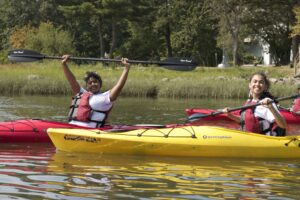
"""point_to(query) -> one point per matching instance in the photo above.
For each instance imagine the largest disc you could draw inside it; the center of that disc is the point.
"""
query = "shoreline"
(46, 78)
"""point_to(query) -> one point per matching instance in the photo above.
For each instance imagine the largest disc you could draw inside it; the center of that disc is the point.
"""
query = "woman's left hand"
(124, 61)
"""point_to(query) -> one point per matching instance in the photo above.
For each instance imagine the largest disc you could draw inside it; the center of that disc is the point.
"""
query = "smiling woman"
(91, 106)
(264, 118)
(93, 82)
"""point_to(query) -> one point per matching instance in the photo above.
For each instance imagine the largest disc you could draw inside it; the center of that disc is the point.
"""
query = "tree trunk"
(168, 40)
(101, 43)
(295, 42)
(113, 38)
(235, 47)
(234, 55)
(295, 52)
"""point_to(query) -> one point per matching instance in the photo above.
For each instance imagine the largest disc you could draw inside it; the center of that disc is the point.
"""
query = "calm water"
(29, 171)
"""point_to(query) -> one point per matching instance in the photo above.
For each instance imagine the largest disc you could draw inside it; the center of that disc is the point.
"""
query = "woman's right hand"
(230, 115)
(226, 111)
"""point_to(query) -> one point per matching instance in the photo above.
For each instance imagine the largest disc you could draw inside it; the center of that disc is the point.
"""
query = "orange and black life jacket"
(251, 123)
(80, 110)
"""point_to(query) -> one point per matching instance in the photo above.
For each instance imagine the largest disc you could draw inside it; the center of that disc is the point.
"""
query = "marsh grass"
(46, 78)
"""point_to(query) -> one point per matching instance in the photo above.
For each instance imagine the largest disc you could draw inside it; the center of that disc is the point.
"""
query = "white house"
(259, 49)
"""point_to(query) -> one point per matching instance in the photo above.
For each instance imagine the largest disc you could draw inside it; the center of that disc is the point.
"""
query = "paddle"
(283, 108)
(23, 55)
(198, 116)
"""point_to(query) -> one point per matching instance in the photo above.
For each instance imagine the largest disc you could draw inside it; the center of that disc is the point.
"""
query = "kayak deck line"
(29, 130)
(145, 130)
(293, 140)
(13, 129)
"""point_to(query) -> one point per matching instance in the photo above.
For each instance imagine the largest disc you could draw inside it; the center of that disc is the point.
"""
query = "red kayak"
(35, 130)
(289, 116)
(28, 130)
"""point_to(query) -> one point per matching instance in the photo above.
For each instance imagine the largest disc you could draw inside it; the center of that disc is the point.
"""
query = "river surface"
(38, 171)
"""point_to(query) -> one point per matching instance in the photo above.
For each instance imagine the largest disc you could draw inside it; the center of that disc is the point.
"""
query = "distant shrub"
(18, 37)
(46, 39)
(3, 56)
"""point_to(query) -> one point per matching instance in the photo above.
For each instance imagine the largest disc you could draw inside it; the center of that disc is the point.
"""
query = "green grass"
(46, 78)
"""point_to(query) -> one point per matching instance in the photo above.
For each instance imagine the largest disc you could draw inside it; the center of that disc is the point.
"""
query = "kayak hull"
(194, 141)
(34, 130)
(29, 130)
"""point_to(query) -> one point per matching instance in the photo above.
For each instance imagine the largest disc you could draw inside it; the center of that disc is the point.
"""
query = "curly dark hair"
(89, 74)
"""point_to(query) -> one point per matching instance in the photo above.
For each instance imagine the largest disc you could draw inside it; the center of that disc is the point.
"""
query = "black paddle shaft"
(23, 55)
(197, 116)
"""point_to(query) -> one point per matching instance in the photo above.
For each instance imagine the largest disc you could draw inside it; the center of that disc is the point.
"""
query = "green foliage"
(230, 15)
(248, 59)
(17, 13)
(149, 29)
(296, 27)
(49, 40)
(194, 31)
(18, 37)
(3, 56)
(85, 23)
(271, 21)
(46, 39)
(143, 41)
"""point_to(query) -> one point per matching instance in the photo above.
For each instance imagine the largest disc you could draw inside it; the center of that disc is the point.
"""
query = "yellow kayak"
(196, 141)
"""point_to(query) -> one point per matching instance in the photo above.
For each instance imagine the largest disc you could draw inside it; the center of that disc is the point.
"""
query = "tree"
(98, 20)
(194, 31)
(230, 14)
(143, 41)
(295, 21)
(141, 29)
(164, 22)
(271, 21)
(15, 14)
(48, 12)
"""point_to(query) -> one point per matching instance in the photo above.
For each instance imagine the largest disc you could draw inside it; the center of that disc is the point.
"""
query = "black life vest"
(80, 110)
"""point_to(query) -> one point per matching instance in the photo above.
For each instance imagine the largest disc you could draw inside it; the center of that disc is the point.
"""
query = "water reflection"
(191, 178)
(38, 171)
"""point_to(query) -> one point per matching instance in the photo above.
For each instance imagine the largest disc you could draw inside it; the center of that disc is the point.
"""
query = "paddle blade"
(23, 55)
(179, 64)
(196, 116)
